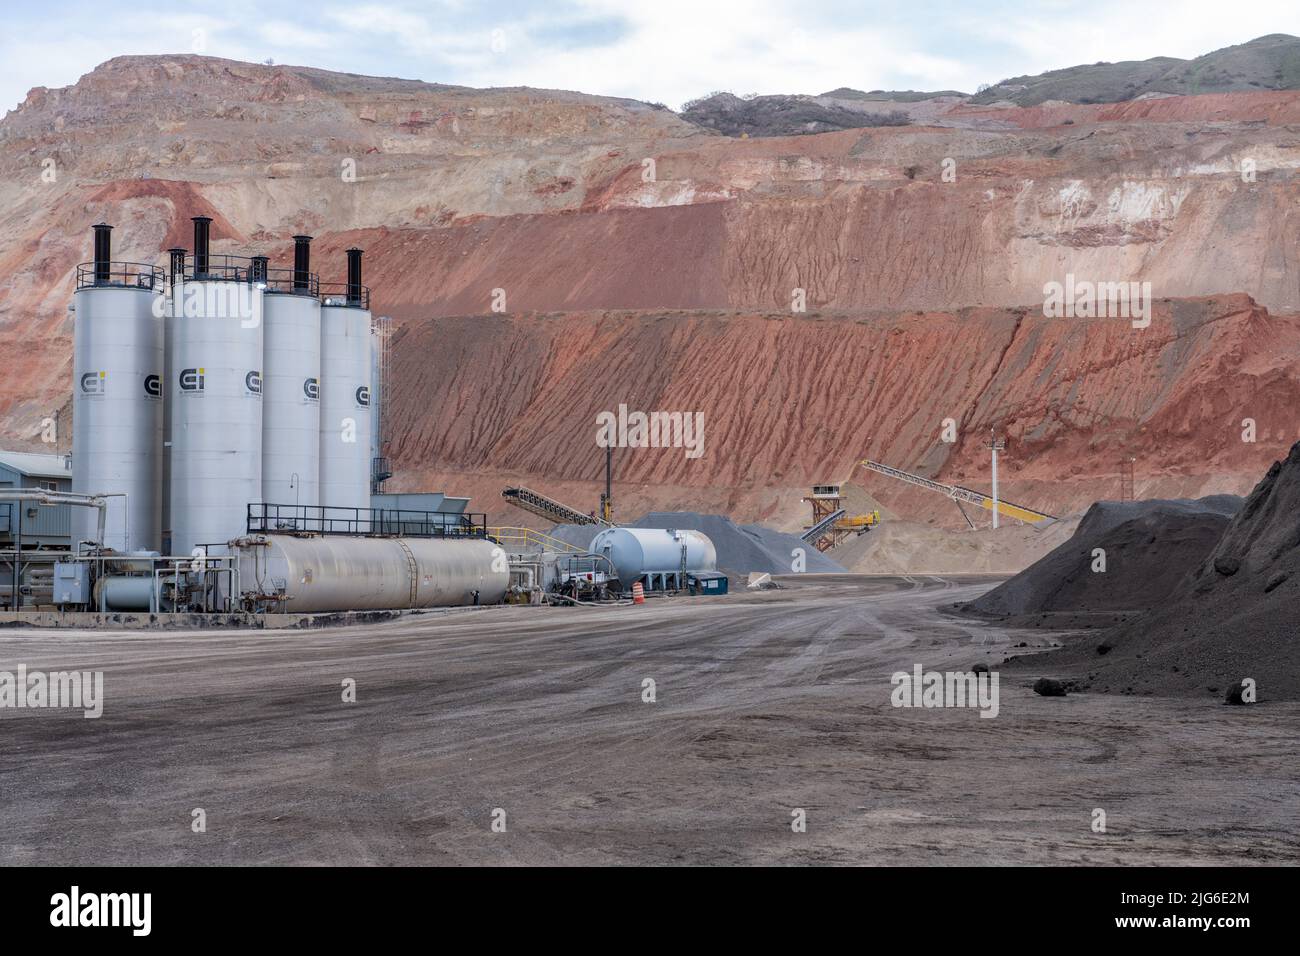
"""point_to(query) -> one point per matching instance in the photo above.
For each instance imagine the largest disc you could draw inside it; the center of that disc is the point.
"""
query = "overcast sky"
(657, 50)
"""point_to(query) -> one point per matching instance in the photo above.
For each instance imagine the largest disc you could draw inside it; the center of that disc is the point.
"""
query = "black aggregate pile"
(1227, 630)
(1124, 558)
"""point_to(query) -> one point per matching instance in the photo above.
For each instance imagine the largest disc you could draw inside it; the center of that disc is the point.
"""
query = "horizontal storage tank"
(315, 574)
(216, 395)
(636, 552)
(117, 404)
(123, 593)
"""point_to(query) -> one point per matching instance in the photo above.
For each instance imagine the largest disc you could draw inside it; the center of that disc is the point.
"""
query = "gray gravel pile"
(741, 548)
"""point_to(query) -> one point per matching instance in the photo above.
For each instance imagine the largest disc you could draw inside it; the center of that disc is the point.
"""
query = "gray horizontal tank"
(636, 552)
(315, 574)
(117, 398)
(216, 394)
(124, 593)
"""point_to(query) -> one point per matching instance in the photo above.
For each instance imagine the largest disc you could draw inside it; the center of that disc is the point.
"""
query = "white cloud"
(679, 49)
(657, 50)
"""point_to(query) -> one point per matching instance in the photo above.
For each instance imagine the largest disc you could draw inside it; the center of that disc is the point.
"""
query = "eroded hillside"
(789, 402)
(646, 261)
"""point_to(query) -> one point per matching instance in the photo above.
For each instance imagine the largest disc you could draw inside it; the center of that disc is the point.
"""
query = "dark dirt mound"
(781, 115)
(1266, 63)
(1148, 546)
(1235, 615)
(891, 96)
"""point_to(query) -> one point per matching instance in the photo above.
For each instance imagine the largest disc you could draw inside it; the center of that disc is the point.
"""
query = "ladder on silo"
(380, 470)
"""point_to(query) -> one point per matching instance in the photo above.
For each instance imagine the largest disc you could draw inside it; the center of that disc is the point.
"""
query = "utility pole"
(995, 445)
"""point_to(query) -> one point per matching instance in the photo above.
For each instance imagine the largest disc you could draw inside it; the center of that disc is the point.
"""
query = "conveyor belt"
(542, 506)
(958, 493)
(821, 527)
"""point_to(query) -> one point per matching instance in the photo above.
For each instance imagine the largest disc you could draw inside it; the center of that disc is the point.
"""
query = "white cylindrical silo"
(344, 406)
(216, 391)
(117, 399)
(291, 419)
(345, 357)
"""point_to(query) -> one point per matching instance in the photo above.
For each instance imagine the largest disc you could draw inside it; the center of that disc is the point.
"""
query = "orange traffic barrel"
(638, 593)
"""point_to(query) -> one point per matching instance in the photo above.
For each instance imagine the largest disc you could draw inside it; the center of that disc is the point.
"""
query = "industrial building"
(228, 458)
(39, 527)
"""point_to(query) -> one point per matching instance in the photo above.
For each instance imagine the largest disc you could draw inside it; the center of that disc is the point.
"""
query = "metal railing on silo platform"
(364, 522)
(136, 275)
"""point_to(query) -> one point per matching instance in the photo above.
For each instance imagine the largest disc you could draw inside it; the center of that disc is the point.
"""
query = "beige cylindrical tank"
(326, 573)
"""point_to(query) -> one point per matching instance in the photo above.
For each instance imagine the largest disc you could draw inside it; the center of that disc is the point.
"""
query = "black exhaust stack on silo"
(354, 277)
(177, 265)
(201, 226)
(103, 252)
(301, 263)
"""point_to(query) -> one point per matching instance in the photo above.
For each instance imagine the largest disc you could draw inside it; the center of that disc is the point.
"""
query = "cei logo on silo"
(253, 382)
(311, 388)
(153, 386)
(191, 380)
(363, 396)
(94, 383)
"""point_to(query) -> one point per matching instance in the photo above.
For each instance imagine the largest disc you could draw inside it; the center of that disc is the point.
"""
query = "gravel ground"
(766, 703)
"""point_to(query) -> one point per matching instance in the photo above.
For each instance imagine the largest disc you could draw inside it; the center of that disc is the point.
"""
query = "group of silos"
(219, 384)
(214, 385)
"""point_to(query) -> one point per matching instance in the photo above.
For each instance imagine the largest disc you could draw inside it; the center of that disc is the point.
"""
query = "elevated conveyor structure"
(959, 494)
(830, 522)
(537, 503)
(823, 526)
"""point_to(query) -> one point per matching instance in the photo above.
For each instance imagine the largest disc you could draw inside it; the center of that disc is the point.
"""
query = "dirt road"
(764, 705)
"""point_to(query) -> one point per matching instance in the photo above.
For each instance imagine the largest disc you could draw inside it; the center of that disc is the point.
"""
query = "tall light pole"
(995, 445)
